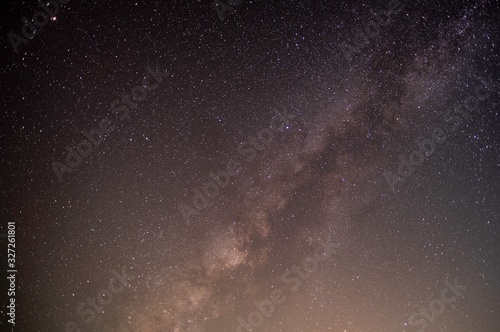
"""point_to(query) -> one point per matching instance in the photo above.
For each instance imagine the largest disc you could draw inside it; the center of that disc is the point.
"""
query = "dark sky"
(279, 158)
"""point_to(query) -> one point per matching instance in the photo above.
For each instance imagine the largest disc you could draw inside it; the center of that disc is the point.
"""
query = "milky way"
(254, 166)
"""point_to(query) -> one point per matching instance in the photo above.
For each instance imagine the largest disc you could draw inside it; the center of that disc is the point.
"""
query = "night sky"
(252, 166)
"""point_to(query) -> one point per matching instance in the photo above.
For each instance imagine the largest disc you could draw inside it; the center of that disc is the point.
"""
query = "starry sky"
(173, 166)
